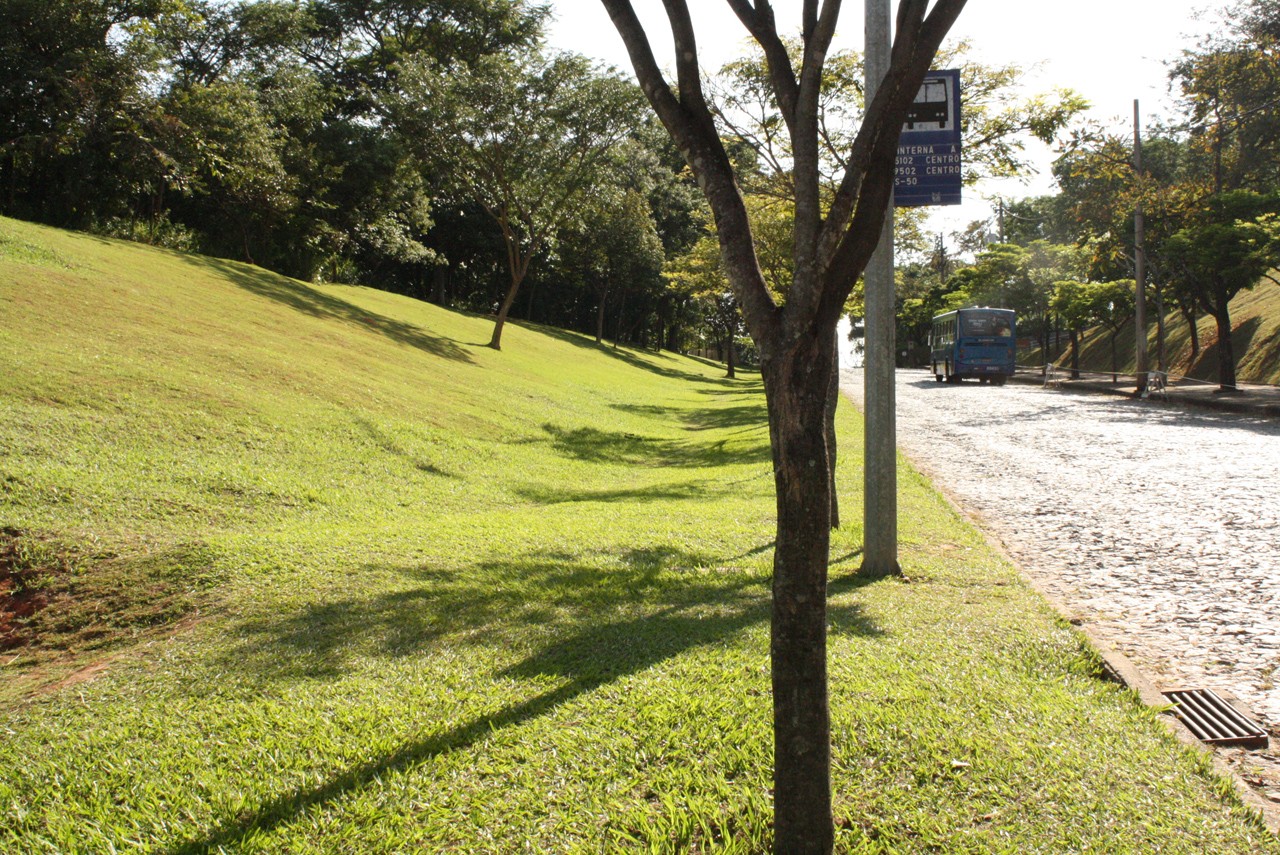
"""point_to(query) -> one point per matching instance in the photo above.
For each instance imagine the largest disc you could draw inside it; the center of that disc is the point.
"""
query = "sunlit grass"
(370, 586)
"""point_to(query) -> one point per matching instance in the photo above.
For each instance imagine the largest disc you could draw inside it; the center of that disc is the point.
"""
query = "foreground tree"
(796, 339)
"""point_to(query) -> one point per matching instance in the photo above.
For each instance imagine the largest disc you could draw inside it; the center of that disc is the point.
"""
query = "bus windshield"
(981, 324)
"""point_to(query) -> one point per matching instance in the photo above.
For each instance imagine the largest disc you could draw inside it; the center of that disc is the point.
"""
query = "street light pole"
(880, 473)
(1139, 266)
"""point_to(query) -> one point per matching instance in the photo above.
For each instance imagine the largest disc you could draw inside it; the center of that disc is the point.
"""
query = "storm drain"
(1215, 721)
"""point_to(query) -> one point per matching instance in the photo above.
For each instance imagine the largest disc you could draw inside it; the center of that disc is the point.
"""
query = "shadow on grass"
(751, 415)
(298, 296)
(634, 359)
(681, 611)
(605, 446)
(754, 415)
(655, 493)
(1206, 366)
(1268, 353)
(390, 446)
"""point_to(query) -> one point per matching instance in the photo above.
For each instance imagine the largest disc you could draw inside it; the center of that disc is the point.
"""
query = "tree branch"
(692, 127)
(759, 21)
(806, 292)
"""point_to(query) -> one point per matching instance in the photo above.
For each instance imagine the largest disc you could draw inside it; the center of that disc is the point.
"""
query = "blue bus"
(973, 343)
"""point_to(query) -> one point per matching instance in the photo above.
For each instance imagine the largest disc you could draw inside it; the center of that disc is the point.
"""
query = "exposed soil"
(23, 591)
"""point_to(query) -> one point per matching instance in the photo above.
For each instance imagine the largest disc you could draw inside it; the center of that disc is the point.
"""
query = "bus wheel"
(982, 381)
(999, 381)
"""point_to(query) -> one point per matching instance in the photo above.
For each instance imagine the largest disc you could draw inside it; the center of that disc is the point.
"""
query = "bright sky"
(1110, 51)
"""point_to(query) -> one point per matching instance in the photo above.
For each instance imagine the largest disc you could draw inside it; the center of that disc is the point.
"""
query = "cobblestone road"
(1159, 525)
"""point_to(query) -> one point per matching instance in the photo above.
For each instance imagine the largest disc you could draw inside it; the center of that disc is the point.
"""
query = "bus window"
(987, 325)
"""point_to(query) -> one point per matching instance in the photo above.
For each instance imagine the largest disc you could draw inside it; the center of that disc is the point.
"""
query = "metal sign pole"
(880, 473)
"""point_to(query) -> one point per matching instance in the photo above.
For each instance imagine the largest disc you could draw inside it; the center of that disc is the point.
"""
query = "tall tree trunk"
(517, 265)
(1075, 354)
(796, 386)
(1115, 368)
(439, 276)
(496, 341)
(1189, 315)
(1226, 348)
(604, 293)
(528, 307)
(732, 350)
(617, 329)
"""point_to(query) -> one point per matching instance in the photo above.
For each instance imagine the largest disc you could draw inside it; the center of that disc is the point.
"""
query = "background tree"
(612, 245)
(74, 113)
(1230, 88)
(1070, 301)
(699, 273)
(529, 139)
(1228, 248)
(1111, 305)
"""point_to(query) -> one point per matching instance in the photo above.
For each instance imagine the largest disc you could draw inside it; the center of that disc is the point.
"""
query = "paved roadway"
(1159, 525)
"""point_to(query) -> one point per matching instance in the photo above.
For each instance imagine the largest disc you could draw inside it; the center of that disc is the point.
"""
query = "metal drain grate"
(1215, 721)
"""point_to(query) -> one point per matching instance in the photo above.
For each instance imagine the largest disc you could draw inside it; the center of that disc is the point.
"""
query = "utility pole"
(880, 473)
(1139, 265)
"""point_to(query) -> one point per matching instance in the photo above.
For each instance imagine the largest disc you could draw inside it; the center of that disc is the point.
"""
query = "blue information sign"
(928, 165)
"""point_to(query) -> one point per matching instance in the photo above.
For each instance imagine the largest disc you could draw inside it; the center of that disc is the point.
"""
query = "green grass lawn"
(322, 573)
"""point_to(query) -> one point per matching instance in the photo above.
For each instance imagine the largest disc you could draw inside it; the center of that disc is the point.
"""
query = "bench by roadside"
(1250, 399)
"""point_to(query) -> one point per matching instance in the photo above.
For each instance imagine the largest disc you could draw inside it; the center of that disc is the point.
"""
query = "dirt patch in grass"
(56, 602)
(25, 583)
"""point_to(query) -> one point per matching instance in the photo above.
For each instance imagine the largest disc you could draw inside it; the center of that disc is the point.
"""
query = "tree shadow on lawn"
(674, 491)
(635, 360)
(388, 444)
(704, 610)
(1206, 365)
(753, 415)
(298, 296)
(606, 446)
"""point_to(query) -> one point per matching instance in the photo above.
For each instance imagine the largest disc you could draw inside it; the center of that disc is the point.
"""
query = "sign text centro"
(928, 167)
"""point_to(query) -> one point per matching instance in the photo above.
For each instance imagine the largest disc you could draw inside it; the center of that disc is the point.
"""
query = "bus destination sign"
(928, 165)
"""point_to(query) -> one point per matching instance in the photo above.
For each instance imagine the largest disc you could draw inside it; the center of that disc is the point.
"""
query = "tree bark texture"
(603, 292)
(829, 426)
(796, 386)
(517, 266)
(1115, 368)
(505, 309)
(1189, 315)
(1226, 348)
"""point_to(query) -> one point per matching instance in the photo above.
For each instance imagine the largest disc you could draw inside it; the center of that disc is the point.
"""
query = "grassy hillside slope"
(320, 573)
